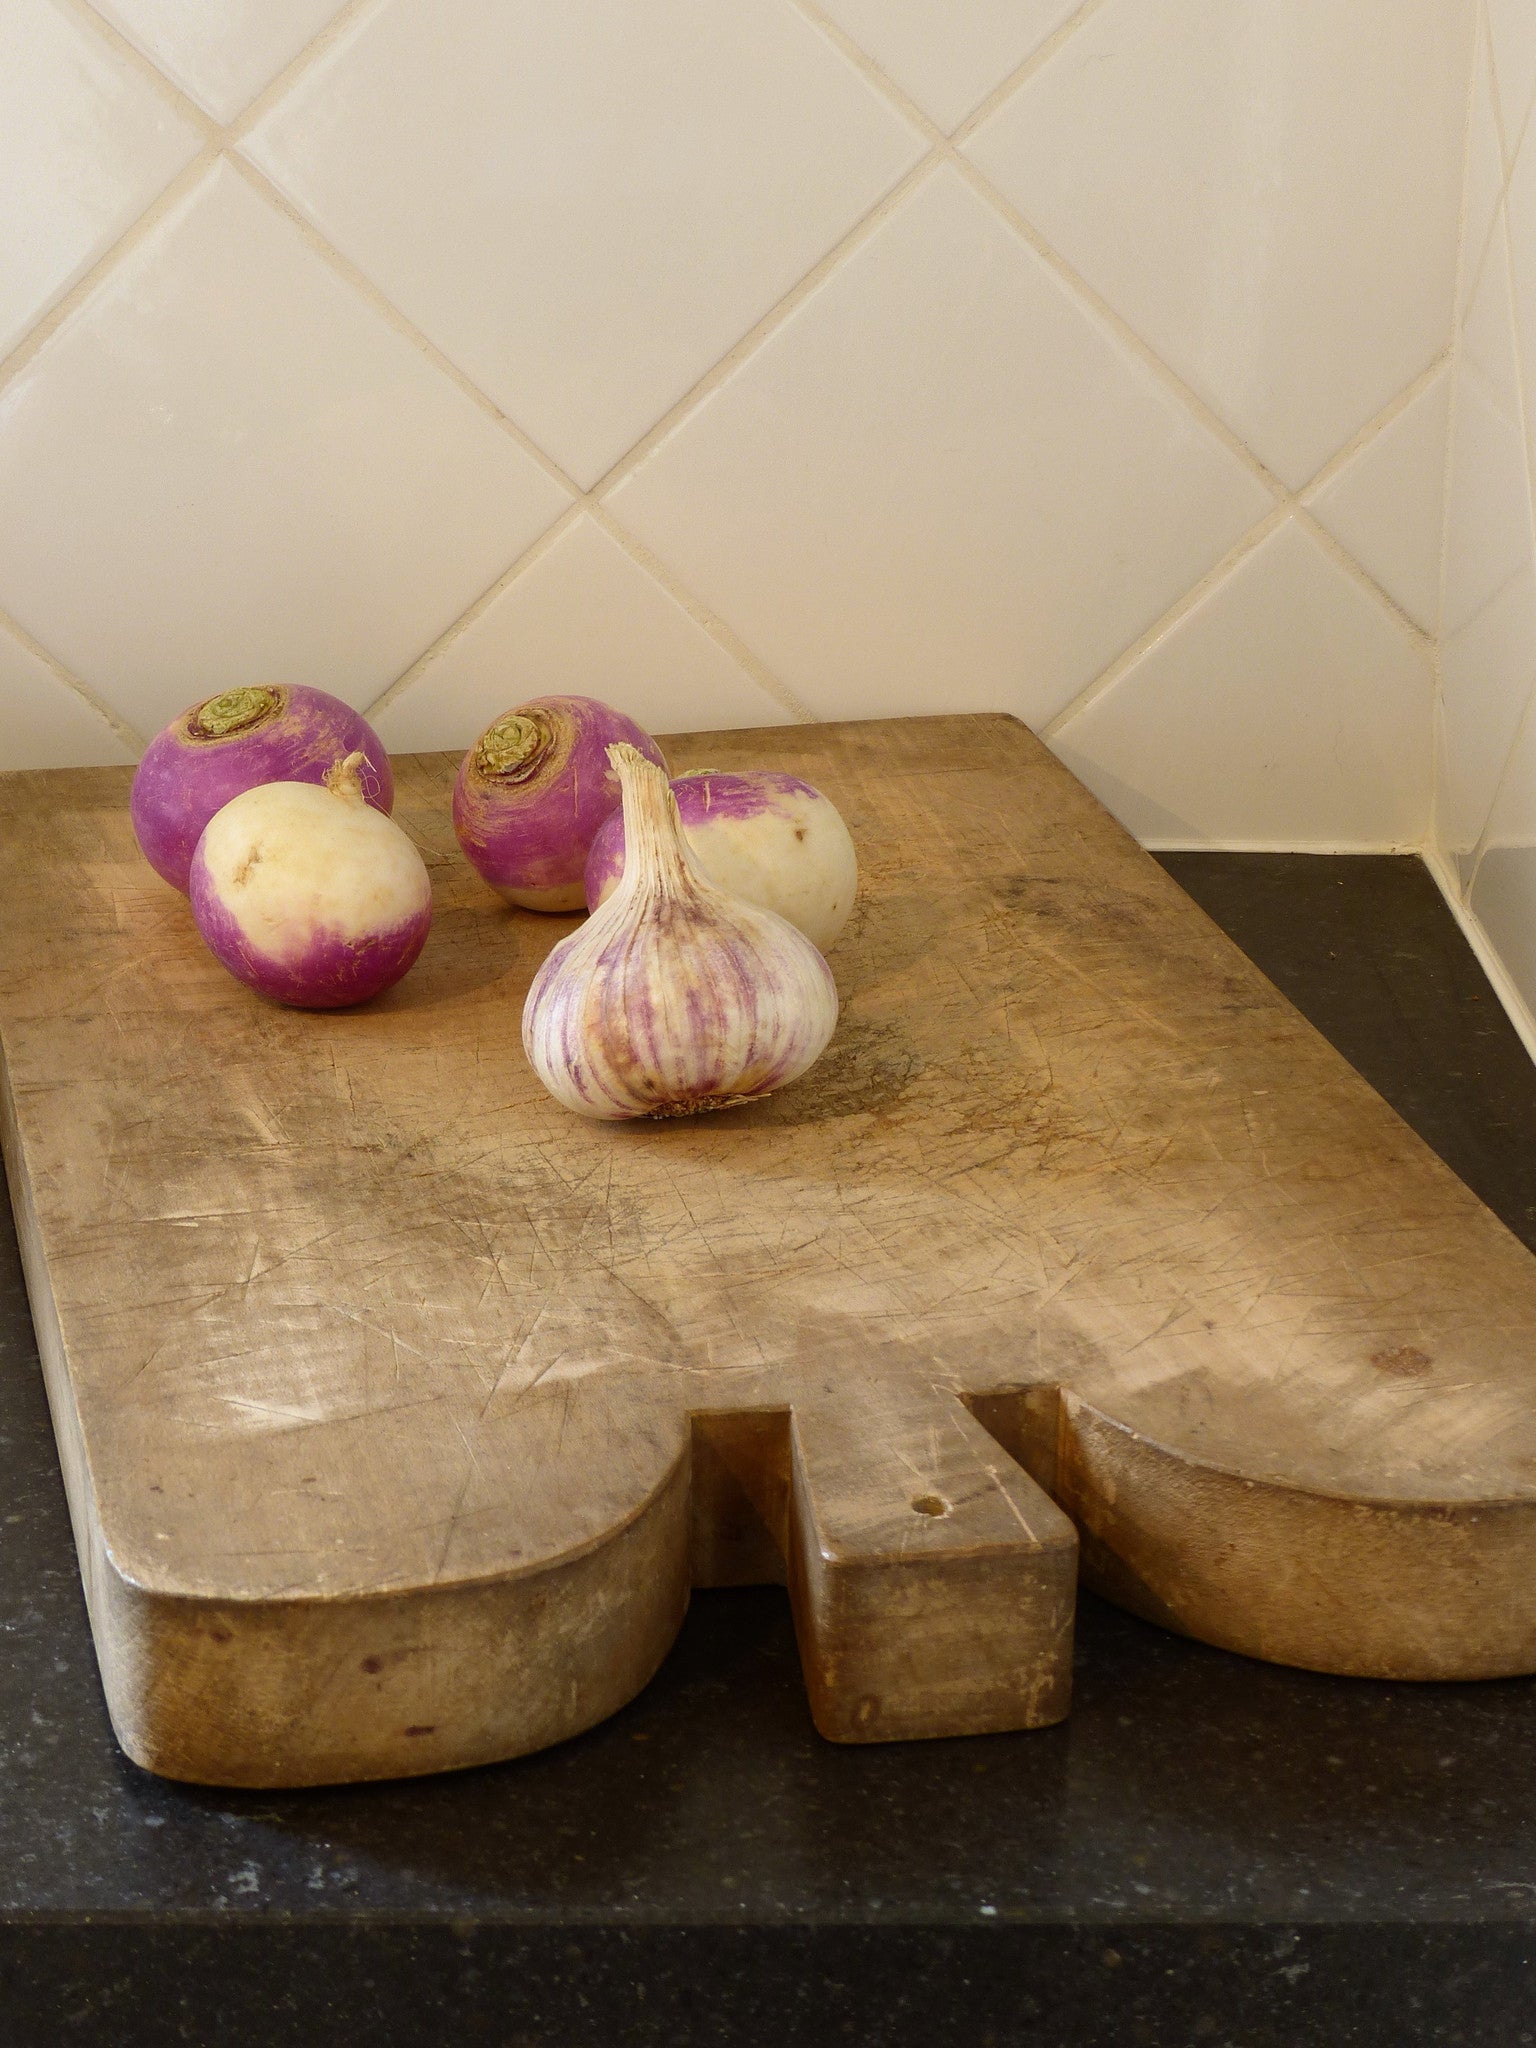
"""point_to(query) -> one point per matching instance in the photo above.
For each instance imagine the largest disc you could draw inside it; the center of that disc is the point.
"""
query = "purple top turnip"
(232, 743)
(533, 790)
(309, 896)
(766, 837)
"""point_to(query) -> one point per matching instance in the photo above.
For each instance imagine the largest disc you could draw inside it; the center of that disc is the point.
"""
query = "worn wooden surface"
(398, 1407)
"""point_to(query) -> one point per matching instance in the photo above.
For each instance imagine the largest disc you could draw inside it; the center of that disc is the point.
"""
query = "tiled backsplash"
(743, 360)
(1485, 794)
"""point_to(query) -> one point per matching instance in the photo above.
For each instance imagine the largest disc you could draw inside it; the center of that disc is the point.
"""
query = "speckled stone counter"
(1210, 1851)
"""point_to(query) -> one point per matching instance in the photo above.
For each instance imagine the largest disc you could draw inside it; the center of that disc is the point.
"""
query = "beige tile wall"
(1485, 793)
(748, 360)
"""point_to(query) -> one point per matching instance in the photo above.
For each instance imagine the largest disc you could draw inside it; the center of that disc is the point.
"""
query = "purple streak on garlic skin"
(231, 743)
(309, 896)
(674, 997)
(532, 792)
(765, 836)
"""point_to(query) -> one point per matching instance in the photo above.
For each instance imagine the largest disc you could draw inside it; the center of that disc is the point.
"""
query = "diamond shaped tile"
(1484, 177)
(1521, 204)
(227, 467)
(583, 617)
(1387, 503)
(940, 485)
(948, 55)
(1302, 710)
(1267, 190)
(44, 723)
(85, 144)
(584, 206)
(1488, 652)
(221, 52)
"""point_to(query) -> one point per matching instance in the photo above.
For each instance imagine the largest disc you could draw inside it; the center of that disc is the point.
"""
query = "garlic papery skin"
(673, 997)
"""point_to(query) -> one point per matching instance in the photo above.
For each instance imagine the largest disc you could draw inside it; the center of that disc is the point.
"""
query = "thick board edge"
(219, 1692)
(324, 1692)
(1416, 1590)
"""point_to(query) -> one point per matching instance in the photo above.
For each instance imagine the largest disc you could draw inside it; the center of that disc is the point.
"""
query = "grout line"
(1472, 278)
(467, 618)
(361, 283)
(1526, 123)
(277, 88)
(1393, 410)
(1517, 357)
(723, 634)
(1476, 274)
(1358, 573)
(130, 737)
(1121, 328)
(1216, 575)
(94, 22)
(771, 321)
(1505, 987)
(944, 150)
(1523, 423)
(164, 202)
(1483, 48)
(216, 140)
(1001, 93)
(1482, 57)
(861, 60)
(650, 564)
(903, 101)
(1480, 844)
(1508, 151)
(1291, 505)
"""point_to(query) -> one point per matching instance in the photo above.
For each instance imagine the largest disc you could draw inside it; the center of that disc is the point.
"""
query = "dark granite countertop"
(1211, 1851)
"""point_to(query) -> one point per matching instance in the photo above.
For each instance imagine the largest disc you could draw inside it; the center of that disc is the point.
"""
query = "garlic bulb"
(673, 997)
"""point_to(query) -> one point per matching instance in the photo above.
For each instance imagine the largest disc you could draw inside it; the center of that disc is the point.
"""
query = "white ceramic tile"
(1302, 709)
(1503, 890)
(940, 485)
(584, 617)
(85, 144)
(1484, 176)
(225, 467)
(1488, 669)
(1459, 860)
(1521, 210)
(948, 55)
(1513, 823)
(1387, 503)
(220, 52)
(584, 206)
(1504, 898)
(1488, 654)
(1268, 190)
(1512, 28)
(44, 723)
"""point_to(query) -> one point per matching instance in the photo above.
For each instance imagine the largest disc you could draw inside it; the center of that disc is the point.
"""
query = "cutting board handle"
(932, 1581)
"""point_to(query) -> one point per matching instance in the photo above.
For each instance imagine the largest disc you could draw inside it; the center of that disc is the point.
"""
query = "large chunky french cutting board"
(399, 1408)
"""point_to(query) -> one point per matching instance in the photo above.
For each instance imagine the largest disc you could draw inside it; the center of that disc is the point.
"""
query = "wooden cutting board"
(399, 1409)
